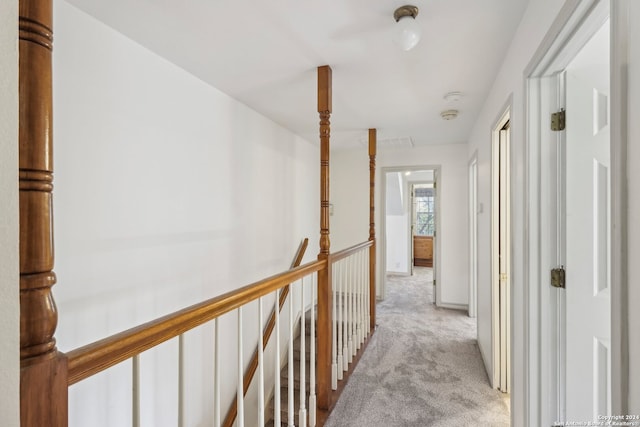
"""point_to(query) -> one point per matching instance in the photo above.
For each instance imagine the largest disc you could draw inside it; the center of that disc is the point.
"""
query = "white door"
(588, 388)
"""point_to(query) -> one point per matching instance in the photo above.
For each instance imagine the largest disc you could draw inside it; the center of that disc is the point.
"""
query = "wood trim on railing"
(350, 251)
(324, 275)
(373, 144)
(100, 355)
(43, 389)
(268, 330)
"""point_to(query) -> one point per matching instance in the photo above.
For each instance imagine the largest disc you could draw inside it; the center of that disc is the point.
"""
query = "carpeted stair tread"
(284, 376)
(296, 348)
(284, 404)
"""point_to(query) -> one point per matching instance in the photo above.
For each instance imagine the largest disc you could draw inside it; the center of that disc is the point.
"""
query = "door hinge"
(558, 277)
(559, 120)
(434, 282)
(503, 277)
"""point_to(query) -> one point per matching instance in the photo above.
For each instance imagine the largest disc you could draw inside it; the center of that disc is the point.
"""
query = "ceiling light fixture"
(408, 32)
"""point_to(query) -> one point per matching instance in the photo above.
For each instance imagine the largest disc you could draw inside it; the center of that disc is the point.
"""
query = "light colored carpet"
(421, 368)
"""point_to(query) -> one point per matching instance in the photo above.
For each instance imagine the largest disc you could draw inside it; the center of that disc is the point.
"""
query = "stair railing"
(351, 308)
(46, 373)
(91, 359)
(274, 319)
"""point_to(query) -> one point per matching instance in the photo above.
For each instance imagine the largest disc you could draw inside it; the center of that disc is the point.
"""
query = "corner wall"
(167, 192)
(9, 217)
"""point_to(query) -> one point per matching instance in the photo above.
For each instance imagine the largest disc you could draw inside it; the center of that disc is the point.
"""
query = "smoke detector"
(452, 96)
(449, 114)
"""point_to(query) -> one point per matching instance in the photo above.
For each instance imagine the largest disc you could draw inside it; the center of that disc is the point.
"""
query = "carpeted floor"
(421, 368)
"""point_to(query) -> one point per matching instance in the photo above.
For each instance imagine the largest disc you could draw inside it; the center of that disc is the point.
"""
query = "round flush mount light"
(453, 96)
(408, 31)
(449, 114)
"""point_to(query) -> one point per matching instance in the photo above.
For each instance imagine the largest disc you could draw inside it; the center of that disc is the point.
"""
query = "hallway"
(422, 367)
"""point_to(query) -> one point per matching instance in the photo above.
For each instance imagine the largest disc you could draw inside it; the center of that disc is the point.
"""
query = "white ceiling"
(265, 54)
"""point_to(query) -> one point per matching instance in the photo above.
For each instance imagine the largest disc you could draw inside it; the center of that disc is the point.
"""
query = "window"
(425, 211)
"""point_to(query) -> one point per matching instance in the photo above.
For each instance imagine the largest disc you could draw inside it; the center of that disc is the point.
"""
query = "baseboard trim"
(398, 274)
(486, 364)
(453, 306)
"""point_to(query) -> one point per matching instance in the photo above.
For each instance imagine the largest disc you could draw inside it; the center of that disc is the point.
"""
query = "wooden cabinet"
(423, 251)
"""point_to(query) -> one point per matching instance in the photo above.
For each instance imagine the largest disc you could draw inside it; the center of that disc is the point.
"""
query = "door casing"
(576, 22)
(500, 171)
(473, 234)
(383, 209)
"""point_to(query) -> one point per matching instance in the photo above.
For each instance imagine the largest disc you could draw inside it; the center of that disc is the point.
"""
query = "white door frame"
(501, 366)
(576, 22)
(383, 232)
(473, 234)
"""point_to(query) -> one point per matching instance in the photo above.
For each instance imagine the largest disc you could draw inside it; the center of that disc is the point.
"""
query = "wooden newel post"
(372, 227)
(43, 370)
(324, 276)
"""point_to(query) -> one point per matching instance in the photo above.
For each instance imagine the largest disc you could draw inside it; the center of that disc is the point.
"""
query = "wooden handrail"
(100, 355)
(373, 148)
(268, 330)
(350, 251)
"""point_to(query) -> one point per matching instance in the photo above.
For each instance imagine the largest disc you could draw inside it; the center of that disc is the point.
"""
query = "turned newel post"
(372, 227)
(43, 383)
(324, 110)
(324, 276)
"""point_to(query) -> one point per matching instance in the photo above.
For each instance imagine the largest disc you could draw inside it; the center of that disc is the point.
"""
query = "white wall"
(351, 166)
(9, 214)
(167, 192)
(350, 198)
(396, 231)
(397, 234)
(452, 266)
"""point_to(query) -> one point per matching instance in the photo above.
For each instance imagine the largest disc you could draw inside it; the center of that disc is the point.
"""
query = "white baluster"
(334, 351)
(358, 326)
(240, 390)
(312, 356)
(363, 311)
(276, 398)
(181, 414)
(354, 319)
(345, 319)
(291, 412)
(352, 316)
(260, 366)
(135, 386)
(340, 321)
(216, 374)
(302, 417)
(368, 297)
